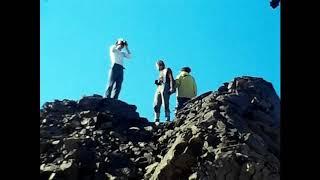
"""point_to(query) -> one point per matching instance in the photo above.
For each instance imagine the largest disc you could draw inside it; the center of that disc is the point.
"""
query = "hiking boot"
(167, 116)
(157, 122)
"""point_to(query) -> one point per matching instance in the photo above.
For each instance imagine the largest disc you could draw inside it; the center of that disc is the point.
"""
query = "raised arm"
(113, 48)
(128, 53)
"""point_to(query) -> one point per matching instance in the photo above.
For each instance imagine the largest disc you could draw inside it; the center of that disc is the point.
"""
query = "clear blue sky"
(218, 39)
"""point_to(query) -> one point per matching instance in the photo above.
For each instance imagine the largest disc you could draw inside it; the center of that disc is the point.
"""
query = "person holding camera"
(165, 87)
(116, 71)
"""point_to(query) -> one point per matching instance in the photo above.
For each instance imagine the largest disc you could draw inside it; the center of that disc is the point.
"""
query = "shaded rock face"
(232, 133)
(92, 139)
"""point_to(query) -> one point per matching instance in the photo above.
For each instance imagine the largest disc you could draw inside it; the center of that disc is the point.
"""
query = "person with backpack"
(186, 87)
(165, 87)
(116, 71)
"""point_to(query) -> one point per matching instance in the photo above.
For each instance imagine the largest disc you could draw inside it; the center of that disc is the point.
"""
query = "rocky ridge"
(232, 133)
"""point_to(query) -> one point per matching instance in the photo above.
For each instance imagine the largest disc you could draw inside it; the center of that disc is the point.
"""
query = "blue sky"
(218, 39)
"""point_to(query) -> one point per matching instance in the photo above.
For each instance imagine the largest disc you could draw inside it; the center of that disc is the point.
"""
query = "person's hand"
(172, 91)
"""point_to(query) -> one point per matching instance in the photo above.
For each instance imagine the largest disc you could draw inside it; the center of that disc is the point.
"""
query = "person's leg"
(111, 83)
(166, 98)
(118, 83)
(184, 100)
(179, 103)
(157, 106)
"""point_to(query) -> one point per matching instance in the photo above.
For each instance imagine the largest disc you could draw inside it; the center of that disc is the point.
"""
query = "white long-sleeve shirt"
(116, 56)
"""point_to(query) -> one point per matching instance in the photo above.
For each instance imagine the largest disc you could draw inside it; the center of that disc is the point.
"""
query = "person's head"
(120, 43)
(160, 65)
(186, 69)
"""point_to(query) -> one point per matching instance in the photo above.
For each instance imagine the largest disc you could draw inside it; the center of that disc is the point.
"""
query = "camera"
(124, 43)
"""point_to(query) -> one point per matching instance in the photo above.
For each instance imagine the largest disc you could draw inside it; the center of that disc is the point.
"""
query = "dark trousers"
(115, 81)
(162, 97)
(181, 101)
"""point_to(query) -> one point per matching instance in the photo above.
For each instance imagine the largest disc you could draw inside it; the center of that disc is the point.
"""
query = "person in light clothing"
(116, 71)
(165, 87)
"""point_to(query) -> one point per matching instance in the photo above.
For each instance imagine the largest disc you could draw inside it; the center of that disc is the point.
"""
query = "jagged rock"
(75, 123)
(85, 121)
(123, 147)
(150, 169)
(134, 128)
(223, 89)
(167, 135)
(90, 102)
(118, 135)
(148, 128)
(55, 142)
(66, 165)
(166, 169)
(232, 133)
(261, 116)
(83, 131)
(71, 143)
(106, 125)
(142, 144)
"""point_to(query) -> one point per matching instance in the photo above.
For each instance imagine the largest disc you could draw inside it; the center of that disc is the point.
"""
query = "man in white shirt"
(116, 71)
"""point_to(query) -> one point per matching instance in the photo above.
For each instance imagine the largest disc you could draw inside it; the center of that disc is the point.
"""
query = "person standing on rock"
(165, 87)
(116, 71)
(186, 87)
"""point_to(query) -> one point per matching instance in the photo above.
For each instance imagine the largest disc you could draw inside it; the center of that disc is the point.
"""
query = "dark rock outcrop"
(232, 133)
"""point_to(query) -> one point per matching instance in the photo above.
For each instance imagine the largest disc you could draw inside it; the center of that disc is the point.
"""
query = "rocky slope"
(229, 134)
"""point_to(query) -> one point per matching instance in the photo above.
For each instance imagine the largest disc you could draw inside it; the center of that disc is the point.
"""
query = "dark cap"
(121, 41)
(160, 63)
(186, 69)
